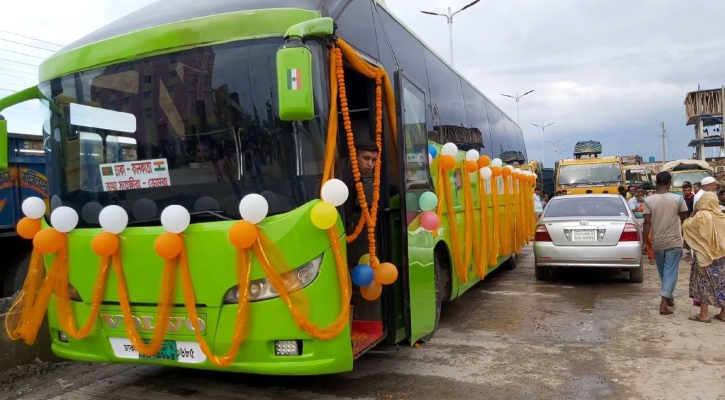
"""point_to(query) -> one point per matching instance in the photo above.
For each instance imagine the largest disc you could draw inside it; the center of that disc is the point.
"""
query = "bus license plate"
(583, 235)
(171, 350)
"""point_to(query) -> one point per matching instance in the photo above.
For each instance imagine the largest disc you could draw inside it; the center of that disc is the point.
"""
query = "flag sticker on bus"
(107, 171)
(160, 166)
(294, 78)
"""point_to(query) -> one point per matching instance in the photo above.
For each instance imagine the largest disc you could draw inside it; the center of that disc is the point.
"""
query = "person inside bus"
(367, 156)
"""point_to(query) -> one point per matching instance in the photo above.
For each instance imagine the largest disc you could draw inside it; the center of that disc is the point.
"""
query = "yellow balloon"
(324, 215)
(364, 260)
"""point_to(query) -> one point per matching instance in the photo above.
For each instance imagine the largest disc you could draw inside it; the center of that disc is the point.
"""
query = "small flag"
(159, 166)
(294, 79)
(107, 171)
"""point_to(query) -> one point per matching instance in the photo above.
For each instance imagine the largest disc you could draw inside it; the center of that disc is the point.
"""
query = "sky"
(607, 70)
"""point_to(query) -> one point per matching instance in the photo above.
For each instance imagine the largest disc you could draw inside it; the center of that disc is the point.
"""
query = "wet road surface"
(588, 334)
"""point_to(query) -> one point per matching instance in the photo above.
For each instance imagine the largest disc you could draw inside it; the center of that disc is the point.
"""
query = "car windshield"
(586, 206)
(198, 128)
(678, 178)
(590, 174)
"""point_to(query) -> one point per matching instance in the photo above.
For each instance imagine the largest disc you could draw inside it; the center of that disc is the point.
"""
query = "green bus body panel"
(294, 83)
(177, 36)
(212, 263)
(444, 232)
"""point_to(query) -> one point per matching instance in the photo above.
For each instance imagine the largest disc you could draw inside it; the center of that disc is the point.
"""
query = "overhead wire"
(26, 44)
(31, 38)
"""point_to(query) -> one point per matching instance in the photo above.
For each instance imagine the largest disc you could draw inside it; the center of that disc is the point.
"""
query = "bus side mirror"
(294, 82)
(3, 144)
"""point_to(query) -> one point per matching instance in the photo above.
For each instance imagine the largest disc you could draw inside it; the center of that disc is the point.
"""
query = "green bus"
(233, 117)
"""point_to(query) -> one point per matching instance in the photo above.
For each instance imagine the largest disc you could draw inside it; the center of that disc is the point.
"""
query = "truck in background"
(682, 171)
(25, 177)
(598, 174)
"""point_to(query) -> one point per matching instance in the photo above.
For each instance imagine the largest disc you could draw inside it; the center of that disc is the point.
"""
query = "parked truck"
(682, 171)
(598, 174)
(25, 177)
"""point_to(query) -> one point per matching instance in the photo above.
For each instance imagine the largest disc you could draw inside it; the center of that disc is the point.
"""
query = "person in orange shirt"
(636, 203)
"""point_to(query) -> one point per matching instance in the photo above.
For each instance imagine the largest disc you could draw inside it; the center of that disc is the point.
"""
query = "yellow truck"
(598, 174)
(682, 171)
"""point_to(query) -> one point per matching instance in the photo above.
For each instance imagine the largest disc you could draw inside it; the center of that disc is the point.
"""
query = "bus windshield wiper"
(218, 214)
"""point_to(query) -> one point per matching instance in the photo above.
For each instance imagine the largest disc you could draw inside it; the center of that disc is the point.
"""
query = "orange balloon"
(105, 244)
(484, 161)
(471, 166)
(496, 171)
(506, 171)
(447, 162)
(168, 245)
(516, 174)
(243, 234)
(48, 241)
(372, 291)
(532, 178)
(28, 227)
(386, 274)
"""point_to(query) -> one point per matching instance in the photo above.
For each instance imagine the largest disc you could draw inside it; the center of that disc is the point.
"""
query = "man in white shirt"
(707, 184)
(636, 203)
(538, 207)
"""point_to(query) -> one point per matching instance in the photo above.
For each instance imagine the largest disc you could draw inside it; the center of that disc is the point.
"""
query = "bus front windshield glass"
(679, 178)
(196, 128)
(590, 174)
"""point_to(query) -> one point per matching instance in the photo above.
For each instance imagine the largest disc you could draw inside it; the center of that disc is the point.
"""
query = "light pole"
(449, 17)
(543, 146)
(553, 144)
(517, 97)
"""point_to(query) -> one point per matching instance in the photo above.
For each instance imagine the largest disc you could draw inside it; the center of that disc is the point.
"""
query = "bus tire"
(510, 264)
(442, 284)
(15, 275)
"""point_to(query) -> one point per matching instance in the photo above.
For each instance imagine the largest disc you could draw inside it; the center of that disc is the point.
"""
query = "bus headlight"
(261, 289)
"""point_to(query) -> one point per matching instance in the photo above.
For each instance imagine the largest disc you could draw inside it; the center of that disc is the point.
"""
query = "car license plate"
(584, 235)
(171, 350)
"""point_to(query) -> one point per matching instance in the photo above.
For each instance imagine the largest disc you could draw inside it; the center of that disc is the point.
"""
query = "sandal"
(697, 318)
(719, 317)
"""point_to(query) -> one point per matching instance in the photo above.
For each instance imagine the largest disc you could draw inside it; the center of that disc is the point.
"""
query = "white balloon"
(496, 162)
(517, 171)
(335, 191)
(253, 208)
(430, 159)
(34, 207)
(64, 219)
(510, 168)
(175, 219)
(113, 219)
(472, 155)
(486, 173)
(449, 149)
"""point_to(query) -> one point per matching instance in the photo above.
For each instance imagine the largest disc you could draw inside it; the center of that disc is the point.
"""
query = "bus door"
(417, 243)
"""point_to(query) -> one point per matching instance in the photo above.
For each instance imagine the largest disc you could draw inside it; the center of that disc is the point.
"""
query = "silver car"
(590, 230)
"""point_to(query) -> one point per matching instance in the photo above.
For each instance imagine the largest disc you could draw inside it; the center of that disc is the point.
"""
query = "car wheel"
(636, 275)
(542, 273)
(440, 283)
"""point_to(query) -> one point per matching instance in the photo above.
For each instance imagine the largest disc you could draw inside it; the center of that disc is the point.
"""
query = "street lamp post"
(517, 97)
(553, 144)
(449, 17)
(543, 146)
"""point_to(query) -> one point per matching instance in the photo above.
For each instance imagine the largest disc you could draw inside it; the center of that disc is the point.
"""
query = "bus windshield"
(678, 178)
(590, 174)
(197, 128)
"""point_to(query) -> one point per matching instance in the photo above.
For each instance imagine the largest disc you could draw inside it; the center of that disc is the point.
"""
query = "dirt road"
(586, 335)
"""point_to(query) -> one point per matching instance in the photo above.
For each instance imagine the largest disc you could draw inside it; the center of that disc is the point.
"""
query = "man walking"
(663, 216)
(538, 207)
(707, 184)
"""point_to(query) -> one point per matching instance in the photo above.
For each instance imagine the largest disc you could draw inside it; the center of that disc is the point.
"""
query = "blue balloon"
(432, 150)
(363, 275)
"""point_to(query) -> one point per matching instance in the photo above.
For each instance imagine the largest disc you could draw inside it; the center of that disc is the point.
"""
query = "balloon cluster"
(428, 219)
(334, 193)
(254, 209)
(371, 279)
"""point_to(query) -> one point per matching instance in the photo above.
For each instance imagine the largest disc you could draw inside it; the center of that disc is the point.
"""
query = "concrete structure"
(705, 109)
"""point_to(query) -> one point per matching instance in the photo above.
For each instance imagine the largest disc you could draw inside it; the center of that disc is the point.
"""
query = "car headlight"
(262, 289)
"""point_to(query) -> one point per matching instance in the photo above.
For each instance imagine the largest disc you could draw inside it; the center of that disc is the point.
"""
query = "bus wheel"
(15, 275)
(441, 286)
(510, 264)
